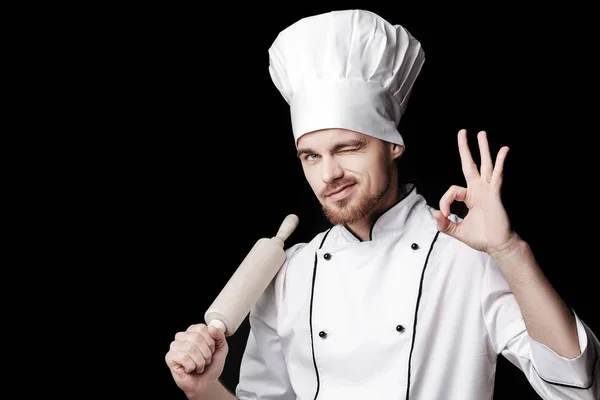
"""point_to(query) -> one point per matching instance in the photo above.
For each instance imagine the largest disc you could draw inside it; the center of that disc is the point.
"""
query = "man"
(397, 300)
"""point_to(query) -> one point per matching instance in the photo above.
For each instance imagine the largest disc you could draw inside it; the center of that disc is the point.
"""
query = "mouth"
(341, 192)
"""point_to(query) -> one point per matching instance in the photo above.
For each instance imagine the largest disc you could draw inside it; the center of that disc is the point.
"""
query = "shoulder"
(304, 249)
(297, 266)
(300, 256)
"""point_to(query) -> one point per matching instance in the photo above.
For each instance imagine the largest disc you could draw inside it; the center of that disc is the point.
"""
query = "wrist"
(508, 248)
(193, 396)
(214, 390)
(198, 394)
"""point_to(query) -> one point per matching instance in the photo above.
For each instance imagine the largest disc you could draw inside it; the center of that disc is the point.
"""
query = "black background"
(205, 164)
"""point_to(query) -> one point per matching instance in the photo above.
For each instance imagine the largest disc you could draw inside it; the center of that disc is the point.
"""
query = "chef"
(398, 299)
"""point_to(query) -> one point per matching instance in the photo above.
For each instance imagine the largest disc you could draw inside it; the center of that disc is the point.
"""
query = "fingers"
(499, 168)
(196, 350)
(469, 167)
(204, 331)
(455, 192)
(180, 362)
(444, 224)
(191, 351)
(490, 172)
(486, 158)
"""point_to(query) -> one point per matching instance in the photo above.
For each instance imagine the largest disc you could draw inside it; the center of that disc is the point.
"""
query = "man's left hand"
(486, 227)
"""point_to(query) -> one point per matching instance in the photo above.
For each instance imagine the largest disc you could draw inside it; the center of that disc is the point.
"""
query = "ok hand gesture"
(486, 226)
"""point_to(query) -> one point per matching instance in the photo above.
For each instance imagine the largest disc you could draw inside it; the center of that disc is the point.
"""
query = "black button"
(414, 246)
(323, 334)
(327, 256)
(400, 328)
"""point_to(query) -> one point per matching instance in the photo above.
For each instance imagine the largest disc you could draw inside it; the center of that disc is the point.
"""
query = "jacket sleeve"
(551, 375)
(263, 370)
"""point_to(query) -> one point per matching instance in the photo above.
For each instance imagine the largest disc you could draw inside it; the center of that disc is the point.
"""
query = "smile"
(341, 193)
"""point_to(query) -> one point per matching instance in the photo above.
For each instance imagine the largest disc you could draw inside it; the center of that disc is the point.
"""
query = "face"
(350, 173)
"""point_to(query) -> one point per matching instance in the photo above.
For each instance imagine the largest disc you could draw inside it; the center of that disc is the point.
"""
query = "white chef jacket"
(410, 314)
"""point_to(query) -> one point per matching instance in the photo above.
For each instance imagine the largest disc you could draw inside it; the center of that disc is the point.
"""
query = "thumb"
(444, 224)
(218, 336)
(221, 347)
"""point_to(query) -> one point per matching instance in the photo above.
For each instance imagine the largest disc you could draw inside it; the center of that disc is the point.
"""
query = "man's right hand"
(196, 358)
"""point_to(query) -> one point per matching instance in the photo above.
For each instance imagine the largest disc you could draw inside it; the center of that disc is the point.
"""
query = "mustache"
(329, 189)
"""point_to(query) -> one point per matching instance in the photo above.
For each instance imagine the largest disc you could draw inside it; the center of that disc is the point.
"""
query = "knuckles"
(197, 328)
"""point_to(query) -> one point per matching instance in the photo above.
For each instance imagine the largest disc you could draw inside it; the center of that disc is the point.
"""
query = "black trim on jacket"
(312, 293)
(414, 333)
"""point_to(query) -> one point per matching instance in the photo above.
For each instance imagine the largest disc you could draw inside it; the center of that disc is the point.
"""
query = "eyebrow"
(357, 143)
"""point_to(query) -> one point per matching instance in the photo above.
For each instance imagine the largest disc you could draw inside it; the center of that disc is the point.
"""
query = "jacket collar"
(394, 219)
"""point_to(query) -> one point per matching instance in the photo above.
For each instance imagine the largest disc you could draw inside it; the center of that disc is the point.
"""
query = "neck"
(362, 229)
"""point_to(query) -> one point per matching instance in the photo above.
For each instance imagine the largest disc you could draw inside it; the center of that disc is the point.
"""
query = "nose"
(331, 170)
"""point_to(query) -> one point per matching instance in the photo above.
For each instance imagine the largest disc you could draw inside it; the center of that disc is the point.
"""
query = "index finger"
(203, 330)
(468, 165)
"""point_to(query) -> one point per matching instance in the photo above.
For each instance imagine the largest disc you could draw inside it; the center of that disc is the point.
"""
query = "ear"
(396, 151)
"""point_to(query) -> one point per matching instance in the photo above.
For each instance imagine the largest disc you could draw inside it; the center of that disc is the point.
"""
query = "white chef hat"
(346, 69)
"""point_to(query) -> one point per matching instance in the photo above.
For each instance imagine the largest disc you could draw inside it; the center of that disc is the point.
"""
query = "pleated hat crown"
(347, 69)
